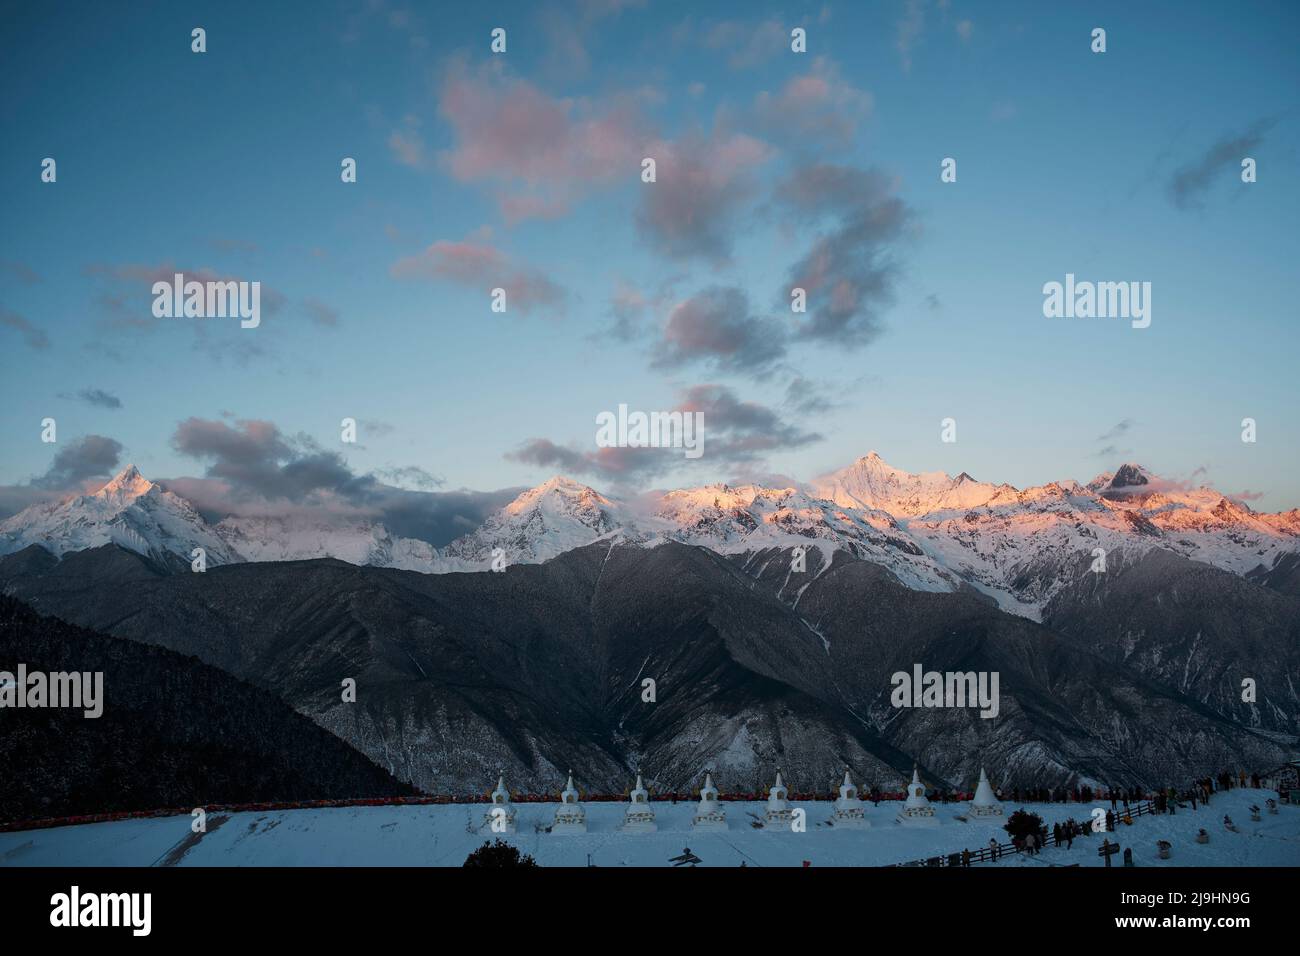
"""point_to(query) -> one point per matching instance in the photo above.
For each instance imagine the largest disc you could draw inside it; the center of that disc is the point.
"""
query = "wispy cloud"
(817, 109)
(320, 313)
(851, 270)
(33, 337)
(21, 272)
(475, 264)
(1189, 183)
(737, 433)
(95, 396)
(1120, 428)
(1111, 449)
(128, 294)
(910, 27)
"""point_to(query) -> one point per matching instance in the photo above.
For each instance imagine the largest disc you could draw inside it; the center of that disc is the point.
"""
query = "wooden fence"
(987, 854)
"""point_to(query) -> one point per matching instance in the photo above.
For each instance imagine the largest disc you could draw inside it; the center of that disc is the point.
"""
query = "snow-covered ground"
(441, 836)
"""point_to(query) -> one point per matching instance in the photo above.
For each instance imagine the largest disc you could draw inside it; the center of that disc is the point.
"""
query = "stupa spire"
(639, 818)
(501, 815)
(849, 810)
(778, 813)
(709, 815)
(570, 816)
(916, 808)
(985, 802)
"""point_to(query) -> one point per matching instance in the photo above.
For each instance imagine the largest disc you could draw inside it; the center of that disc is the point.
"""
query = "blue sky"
(523, 169)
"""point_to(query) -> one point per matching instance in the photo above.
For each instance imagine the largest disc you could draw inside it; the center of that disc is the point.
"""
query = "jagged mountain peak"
(871, 482)
(128, 511)
(1231, 508)
(128, 479)
(1130, 475)
(562, 483)
(125, 487)
(557, 488)
(931, 530)
(556, 516)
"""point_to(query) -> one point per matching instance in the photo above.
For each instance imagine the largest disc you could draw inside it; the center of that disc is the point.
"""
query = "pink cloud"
(818, 105)
(477, 265)
(542, 151)
(407, 148)
(701, 186)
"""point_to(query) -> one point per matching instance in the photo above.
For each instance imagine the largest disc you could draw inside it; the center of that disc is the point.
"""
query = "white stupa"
(778, 813)
(709, 815)
(849, 810)
(639, 817)
(501, 816)
(916, 809)
(985, 802)
(570, 817)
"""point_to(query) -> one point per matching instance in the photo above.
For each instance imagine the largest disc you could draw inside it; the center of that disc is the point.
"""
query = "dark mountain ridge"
(174, 732)
(540, 669)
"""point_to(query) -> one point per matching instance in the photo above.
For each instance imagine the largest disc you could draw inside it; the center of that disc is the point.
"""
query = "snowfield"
(443, 835)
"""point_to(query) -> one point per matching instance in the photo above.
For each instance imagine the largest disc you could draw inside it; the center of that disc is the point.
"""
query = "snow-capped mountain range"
(934, 532)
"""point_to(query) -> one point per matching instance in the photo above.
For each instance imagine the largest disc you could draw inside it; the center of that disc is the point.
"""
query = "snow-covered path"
(440, 836)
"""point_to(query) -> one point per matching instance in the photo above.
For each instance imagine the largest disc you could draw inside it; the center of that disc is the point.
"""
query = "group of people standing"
(1165, 800)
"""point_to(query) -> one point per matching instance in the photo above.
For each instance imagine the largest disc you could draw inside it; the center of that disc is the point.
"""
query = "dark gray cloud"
(702, 185)
(1116, 430)
(546, 454)
(91, 456)
(95, 396)
(438, 517)
(33, 337)
(410, 475)
(740, 431)
(254, 468)
(632, 312)
(1108, 439)
(851, 271)
(1189, 183)
(434, 516)
(717, 326)
(827, 189)
(806, 397)
(736, 433)
(255, 457)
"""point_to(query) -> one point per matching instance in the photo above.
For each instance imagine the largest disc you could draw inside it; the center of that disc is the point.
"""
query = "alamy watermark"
(75, 908)
(1098, 300)
(214, 299)
(924, 688)
(676, 429)
(59, 689)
